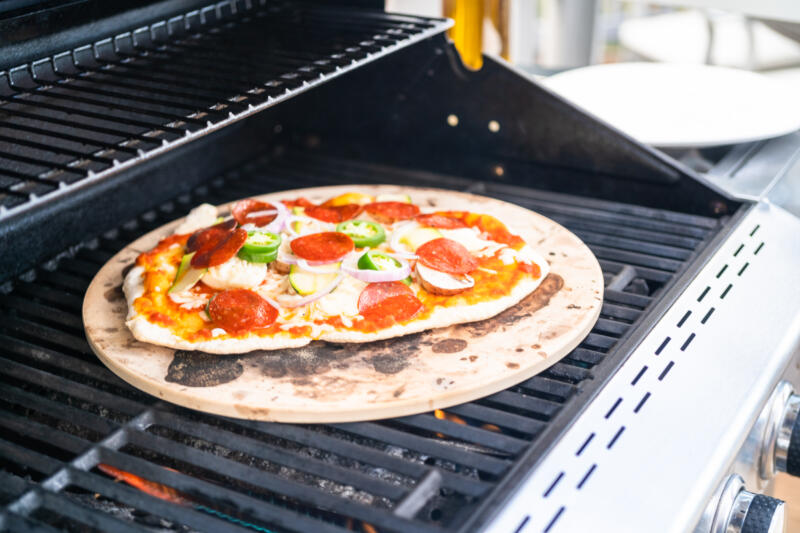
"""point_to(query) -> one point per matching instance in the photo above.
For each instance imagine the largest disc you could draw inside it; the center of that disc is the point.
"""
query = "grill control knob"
(787, 442)
(780, 451)
(741, 511)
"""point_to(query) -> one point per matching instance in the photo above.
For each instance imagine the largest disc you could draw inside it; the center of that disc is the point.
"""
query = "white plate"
(682, 106)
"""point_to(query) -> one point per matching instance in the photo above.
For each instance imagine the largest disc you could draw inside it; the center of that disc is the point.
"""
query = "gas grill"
(115, 120)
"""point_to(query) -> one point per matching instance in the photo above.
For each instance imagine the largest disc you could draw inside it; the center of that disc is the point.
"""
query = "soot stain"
(114, 294)
(299, 363)
(449, 346)
(198, 369)
(532, 303)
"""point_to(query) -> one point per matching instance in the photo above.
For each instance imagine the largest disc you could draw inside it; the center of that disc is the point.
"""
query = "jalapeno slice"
(256, 257)
(377, 261)
(363, 232)
(261, 242)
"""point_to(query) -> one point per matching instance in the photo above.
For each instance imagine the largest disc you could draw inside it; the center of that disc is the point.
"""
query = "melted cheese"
(470, 238)
(235, 274)
(202, 216)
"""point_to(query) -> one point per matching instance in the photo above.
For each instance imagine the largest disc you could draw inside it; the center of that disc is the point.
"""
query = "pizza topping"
(186, 276)
(237, 273)
(298, 202)
(240, 310)
(260, 247)
(437, 282)
(388, 212)
(391, 299)
(254, 212)
(364, 234)
(325, 247)
(396, 197)
(415, 237)
(200, 217)
(220, 250)
(349, 198)
(446, 255)
(306, 282)
(377, 267)
(333, 214)
(202, 238)
(437, 220)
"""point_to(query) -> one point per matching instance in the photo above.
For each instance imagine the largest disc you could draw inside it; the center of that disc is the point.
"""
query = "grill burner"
(62, 413)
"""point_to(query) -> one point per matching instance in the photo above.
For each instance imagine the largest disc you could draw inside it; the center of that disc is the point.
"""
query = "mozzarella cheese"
(235, 274)
(470, 239)
(343, 300)
(202, 216)
(189, 300)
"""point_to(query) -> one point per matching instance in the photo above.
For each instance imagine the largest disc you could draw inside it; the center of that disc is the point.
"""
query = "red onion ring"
(317, 295)
(394, 243)
(313, 266)
(276, 225)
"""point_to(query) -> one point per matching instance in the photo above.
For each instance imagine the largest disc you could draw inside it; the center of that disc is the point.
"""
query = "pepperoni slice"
(250, 212)
(324, 247)
(334, 214)
(203, 237)
(388, 212)
(219, 251)
(240, 309)
(388, 299)
(299, 202)
(436, 220)
(446, 255)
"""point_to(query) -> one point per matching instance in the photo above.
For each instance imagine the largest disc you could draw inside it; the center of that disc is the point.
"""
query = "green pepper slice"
(261, 242)
(377, 261)
(363, 232)
(256, 257)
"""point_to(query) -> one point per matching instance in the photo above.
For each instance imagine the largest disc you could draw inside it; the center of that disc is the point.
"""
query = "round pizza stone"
(344, 382)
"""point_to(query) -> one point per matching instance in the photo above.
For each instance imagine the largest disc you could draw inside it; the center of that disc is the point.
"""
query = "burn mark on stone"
(573, 306)
(399, 391)
(114, 294)
(512, 365)
(198, 369)
(127, 269)
(449, 346)
(313, 359)
(532, 303)
(388, 364)
(536, 346)
(473, 358)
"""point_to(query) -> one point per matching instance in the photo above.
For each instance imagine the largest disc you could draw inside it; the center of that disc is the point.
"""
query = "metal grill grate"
(62, 413)
(90, 111)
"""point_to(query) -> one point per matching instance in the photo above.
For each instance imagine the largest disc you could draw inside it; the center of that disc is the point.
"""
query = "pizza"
(272, 274)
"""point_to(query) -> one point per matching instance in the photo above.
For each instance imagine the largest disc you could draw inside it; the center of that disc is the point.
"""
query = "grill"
(116, 118)
(63, 414)
(78, 114)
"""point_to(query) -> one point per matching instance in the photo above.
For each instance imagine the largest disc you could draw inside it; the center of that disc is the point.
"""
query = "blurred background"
(549, 36)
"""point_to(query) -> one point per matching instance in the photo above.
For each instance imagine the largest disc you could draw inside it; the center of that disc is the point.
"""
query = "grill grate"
(63, 413)
(84, 113)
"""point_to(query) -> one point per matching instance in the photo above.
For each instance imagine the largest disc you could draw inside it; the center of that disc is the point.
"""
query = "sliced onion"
(397, 233)
(314, 266)
(272, 302)
(316, 296)
(377, 276)
(276, 226)
(327, 226)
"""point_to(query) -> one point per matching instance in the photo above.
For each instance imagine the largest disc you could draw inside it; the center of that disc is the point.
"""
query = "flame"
(152, 488)
(491, 427)
(441, 415)
(368, 528)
